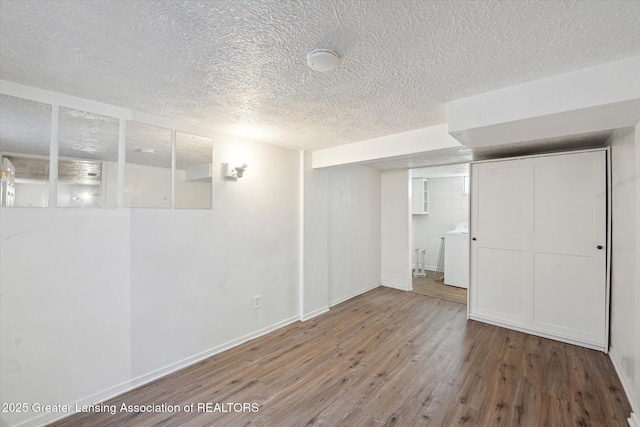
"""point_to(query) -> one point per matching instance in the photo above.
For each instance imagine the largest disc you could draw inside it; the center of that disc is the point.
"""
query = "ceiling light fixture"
(322, 59)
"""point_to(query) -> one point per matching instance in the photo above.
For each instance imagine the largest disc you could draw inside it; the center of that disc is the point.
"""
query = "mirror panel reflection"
(147, 182)
(193, 171)
(25, 134)
(88, 159)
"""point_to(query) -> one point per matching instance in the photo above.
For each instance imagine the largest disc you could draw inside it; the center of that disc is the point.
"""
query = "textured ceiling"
(240, 66)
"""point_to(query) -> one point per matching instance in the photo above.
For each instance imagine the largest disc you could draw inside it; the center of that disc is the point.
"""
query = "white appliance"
(456, 256)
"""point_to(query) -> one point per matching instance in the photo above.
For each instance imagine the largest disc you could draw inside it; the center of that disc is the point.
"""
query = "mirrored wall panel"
(147, 174)
(193, 171)
(25, 134)
(88, 159)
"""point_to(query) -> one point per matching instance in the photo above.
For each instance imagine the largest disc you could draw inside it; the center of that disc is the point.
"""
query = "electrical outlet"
(257, 303)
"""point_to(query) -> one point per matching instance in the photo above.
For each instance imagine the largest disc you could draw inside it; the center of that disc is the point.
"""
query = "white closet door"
(538, 249)
(501, 213)
(570, 245)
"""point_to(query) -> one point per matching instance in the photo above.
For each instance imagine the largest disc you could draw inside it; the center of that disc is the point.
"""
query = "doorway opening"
(440, 231)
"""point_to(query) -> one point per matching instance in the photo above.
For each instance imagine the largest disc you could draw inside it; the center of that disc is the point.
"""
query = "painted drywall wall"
(413, 142)
(316, 240)
(97, 301)
(635, 416)
(447, 207)
(341, 243)
(354, 231)
(65, 307)
(195, 272)
(395, 237)
(625, 279)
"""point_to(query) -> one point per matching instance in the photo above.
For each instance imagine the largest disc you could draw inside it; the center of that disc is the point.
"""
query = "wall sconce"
(234, 173)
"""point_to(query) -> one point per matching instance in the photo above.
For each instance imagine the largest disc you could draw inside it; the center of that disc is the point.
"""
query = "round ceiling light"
(322, 59)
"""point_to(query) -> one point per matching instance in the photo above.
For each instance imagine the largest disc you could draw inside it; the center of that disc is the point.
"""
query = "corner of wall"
(634, 419)
(625, 272)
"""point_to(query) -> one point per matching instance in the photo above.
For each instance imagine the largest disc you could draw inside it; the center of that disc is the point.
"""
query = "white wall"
(354, 231)
(636, 402)
(199, 270)
(404, 144)
(65, 313)
(316, 240)
(395, 238)
(447, 207)
(97, 301)
(625, 276)
(635, 417)
(341, 234)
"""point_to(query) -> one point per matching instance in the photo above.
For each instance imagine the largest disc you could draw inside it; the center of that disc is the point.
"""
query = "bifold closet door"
(538, 249)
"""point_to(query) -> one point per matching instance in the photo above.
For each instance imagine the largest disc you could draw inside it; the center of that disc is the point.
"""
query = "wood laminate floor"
(429, 286)
(388, 358)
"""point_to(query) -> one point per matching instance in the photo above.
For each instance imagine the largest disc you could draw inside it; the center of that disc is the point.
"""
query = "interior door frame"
(410, 221)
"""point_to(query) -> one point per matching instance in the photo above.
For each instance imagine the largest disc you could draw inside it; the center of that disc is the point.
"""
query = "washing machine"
(456, 256)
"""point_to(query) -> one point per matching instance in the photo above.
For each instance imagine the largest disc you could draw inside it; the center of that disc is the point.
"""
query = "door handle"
(473, 238)
(599, 246)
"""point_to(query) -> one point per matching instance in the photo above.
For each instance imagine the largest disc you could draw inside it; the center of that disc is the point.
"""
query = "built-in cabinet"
(420, 196)
(539, 256)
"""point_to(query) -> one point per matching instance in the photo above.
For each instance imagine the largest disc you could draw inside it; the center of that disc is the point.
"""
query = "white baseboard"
(354, 294)
(126, 386)
(393, 285)
(633, 420)
(314, 313)
(283, 323)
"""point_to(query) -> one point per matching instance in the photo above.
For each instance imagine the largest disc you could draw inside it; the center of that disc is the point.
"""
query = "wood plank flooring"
(430, 287)
(388, 358)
